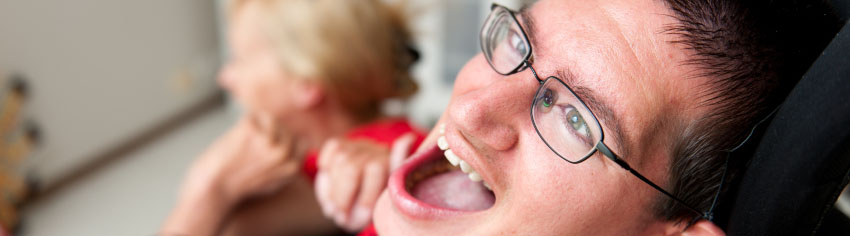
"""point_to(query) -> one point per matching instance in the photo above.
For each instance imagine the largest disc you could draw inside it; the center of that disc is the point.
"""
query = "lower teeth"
(431, 169)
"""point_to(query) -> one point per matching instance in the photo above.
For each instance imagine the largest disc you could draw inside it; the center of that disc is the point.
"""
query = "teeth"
(442, 143)
(474, 176)
(442, 129)
(465, 167)
(456, 161)
(453, 159)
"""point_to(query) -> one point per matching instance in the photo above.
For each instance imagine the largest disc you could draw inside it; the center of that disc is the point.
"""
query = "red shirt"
(368, 231)
(383, 132)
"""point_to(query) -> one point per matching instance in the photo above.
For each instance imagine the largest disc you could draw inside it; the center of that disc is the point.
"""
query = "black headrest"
(802, 161)
(842, 9)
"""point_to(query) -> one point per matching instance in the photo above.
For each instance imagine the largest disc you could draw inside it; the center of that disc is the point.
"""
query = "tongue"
(453, 190)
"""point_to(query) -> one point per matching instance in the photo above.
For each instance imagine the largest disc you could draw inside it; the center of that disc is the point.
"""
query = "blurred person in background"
(312, 76)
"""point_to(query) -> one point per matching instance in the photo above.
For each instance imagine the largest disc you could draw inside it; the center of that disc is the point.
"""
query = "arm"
(248, 161)
(196, 216)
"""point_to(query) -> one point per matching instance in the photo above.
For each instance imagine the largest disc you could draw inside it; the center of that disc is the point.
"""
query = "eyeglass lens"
(503, 42)
(564, 122)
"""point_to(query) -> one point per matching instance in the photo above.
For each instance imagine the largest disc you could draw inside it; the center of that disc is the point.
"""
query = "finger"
(277, 177)
(327, 154)
(345, 180)
(374, 181)
(285, 171)
(358, 219)
(400, 149)
(322, 188)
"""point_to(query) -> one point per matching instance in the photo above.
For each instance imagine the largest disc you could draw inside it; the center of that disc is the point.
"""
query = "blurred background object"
(125, 97)
(101, 75)
(101, 72)
(17, 140)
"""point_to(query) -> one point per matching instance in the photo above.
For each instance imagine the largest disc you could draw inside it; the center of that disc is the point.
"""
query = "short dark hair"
(750, 54)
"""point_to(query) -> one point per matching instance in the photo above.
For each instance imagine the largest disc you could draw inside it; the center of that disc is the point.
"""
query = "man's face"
(617, 54)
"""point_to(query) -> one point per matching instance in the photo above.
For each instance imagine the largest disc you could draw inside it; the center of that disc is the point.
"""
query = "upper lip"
(467, 154)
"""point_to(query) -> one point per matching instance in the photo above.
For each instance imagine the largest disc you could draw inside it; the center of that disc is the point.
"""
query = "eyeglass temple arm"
(608, 153)
(534, 72)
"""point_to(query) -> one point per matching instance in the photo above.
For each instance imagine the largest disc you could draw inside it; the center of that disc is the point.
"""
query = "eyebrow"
(597, 106)
(529, 27)
(590, 97)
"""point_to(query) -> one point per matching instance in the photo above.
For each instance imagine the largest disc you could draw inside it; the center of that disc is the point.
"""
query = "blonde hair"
(359, 49)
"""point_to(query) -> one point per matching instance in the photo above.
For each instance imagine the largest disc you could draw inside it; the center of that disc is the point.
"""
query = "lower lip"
(406, 203)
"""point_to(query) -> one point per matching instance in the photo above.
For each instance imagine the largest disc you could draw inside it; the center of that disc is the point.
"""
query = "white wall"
(447, 36)
(102, 71)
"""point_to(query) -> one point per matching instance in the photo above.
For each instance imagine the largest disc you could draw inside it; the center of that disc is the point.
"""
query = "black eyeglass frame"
(600, 145)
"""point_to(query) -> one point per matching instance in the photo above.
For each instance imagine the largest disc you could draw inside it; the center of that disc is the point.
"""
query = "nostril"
(499, 138)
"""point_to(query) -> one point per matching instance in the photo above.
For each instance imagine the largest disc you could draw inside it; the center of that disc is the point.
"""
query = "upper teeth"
(455, 160)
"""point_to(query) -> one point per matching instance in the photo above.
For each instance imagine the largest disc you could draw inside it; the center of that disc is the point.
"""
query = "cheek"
(555, 196)
(273, 96)
(554, 190)
(248, 91)
(256, 87)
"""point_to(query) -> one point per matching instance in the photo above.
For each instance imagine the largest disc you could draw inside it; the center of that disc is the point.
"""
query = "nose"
(491, 109)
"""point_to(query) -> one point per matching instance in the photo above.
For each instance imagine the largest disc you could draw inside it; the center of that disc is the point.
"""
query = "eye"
(547, 99)
(576, 122)
(517, 43)
(561, 119)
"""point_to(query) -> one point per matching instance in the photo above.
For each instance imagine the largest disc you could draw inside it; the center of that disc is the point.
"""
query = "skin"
(249, 181)
(617, 50)
(209, 195)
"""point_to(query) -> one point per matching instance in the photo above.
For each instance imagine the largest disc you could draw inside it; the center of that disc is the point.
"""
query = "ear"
(703, 228)
(309, 94)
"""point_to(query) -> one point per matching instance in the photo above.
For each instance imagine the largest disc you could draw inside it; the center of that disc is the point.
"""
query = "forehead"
(616, 49)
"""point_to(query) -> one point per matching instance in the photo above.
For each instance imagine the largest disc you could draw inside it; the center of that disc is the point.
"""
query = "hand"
(252, 159)
(352, 174)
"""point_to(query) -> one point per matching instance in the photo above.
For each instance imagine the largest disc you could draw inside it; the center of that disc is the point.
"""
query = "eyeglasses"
(561, 119)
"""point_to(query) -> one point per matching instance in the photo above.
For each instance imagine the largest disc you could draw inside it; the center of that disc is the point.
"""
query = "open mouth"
(438, 180)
